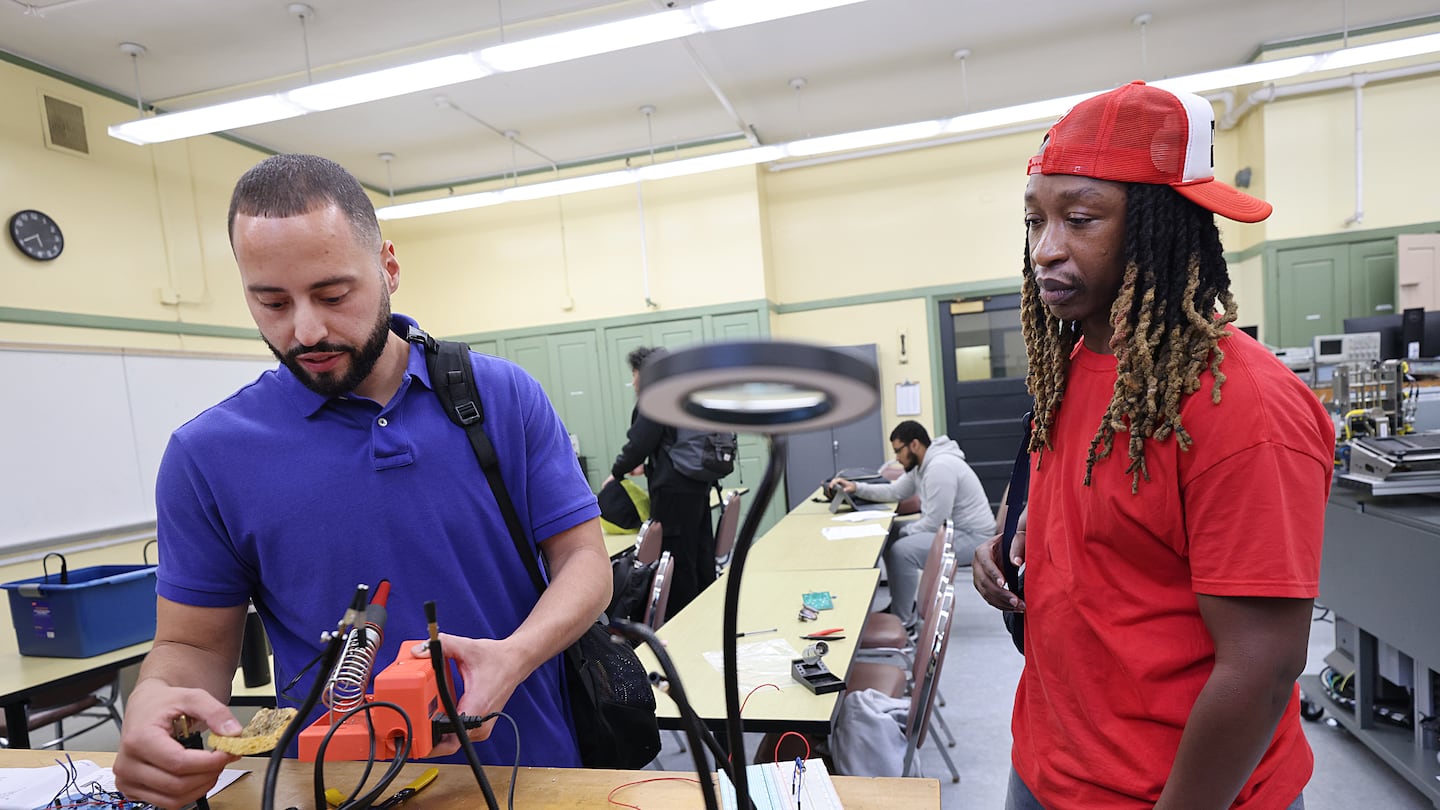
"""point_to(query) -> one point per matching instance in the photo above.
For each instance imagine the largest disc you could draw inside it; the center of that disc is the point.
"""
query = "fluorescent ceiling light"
(583, 42)
(1256, 73)
(204, 120)
(846, 141)
(710, 163)
(718, 15)
(1018, 114)
(1380, 52)
(921, 130)
(714, 15)
(388, 83)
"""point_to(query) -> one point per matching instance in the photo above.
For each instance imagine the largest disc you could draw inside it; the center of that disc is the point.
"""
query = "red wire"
(782, 739)
(753, 691)
(611, 798)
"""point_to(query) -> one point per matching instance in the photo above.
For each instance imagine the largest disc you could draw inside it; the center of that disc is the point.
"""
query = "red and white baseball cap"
(1144, 134)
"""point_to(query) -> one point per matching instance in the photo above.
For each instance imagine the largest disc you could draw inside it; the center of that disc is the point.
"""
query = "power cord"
(699, 736)
(437, 661)
(402, 753)
(333, 640)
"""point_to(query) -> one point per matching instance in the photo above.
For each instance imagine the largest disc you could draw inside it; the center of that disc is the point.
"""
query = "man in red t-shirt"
(1179, 475)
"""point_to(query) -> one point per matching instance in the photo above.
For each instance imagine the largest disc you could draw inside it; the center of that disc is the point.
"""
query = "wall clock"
(37, 235)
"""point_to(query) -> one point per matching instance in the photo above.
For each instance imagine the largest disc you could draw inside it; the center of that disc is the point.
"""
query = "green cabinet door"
(619, 393)
(1373, 281)
(533, 355)
(577, 399)
(1314, 293)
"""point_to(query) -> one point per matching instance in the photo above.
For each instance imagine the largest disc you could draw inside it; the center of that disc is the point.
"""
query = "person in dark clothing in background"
(680, 503)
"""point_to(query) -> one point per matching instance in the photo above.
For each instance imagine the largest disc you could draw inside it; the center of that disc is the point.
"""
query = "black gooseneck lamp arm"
(767, 387)
(695, 731)
(734, 727)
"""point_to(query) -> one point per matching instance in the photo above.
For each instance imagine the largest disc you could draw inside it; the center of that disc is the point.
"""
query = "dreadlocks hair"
(1166, 329)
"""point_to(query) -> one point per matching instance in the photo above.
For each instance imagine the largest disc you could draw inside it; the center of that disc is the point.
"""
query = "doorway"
(983, 359)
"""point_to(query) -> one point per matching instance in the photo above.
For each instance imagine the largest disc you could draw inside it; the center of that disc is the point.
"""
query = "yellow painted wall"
(506, 267)
(1310, 158)
(140, 220)
(136, 220)
(928, 217)
(878, 324)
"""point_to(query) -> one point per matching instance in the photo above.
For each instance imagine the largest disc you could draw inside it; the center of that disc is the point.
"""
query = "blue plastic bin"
(102, 608)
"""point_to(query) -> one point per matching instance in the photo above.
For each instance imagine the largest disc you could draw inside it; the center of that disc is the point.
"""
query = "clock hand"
(34, 236)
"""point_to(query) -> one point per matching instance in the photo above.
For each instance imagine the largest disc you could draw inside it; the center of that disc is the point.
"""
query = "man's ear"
(390, 265)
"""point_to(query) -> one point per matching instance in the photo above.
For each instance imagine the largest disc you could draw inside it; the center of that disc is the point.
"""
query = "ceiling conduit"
(1235, 113)
(1359, 215)
(1232, 117)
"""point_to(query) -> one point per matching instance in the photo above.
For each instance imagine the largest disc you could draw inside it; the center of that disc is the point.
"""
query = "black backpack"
(704, 457)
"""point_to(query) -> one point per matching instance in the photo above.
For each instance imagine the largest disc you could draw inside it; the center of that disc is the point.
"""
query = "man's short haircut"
(910, 431)
(637, 357)
(292, 185)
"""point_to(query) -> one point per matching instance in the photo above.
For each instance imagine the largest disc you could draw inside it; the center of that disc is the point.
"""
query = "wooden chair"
(655, 607)
(726, 531)
(924, 673)
(659, 598)
(648, 542)
(883, 633)
(94, 698)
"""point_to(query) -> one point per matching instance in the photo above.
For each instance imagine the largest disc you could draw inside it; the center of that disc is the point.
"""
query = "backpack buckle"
(467, 412)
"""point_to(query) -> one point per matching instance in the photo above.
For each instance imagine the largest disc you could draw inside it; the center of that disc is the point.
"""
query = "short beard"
(362, 360)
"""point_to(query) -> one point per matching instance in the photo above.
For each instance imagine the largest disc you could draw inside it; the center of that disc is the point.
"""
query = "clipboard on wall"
(907, 398)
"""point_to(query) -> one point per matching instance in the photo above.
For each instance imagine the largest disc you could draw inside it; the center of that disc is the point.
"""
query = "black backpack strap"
(1014, 505)
(453, 376)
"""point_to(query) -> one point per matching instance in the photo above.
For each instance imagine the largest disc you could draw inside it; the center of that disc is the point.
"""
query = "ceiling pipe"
(1270, 92)
(34, 10)
(1359, 215)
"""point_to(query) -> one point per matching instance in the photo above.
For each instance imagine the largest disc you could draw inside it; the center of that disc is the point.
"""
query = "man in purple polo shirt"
(338, 468)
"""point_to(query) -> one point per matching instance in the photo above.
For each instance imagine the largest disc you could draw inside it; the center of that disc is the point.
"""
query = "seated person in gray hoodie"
(948, 488)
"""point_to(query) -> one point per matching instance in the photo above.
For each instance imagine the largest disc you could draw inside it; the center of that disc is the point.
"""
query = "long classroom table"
(796, 542)
(535, 788)
(23, 676)
(768, 598)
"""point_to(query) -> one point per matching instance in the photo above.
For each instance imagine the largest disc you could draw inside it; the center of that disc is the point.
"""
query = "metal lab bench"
(1380, 575)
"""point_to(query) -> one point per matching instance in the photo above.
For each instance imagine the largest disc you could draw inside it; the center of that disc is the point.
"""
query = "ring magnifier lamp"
(769, 388)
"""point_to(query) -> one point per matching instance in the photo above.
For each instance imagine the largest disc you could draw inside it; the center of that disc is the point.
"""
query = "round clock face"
(36, 235)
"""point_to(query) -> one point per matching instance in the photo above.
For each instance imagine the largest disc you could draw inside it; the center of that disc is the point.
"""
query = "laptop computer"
(842, 500)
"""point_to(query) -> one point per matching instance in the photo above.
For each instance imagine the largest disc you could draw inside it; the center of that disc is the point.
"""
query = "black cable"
(369, 762)
(331, 654)
(734, 728)
(285, 691)
(442, 672)
(694, 729)
(514, 769)
(402, 753)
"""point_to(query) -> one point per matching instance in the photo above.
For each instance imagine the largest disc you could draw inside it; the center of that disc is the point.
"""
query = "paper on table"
(868, 514)
(853, 532)
(759, 663)
(28, 788)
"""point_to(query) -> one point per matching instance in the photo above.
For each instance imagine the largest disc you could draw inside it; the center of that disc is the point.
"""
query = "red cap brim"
(1227, 201)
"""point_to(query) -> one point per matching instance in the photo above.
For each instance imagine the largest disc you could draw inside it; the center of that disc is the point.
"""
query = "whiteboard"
(82, 433)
